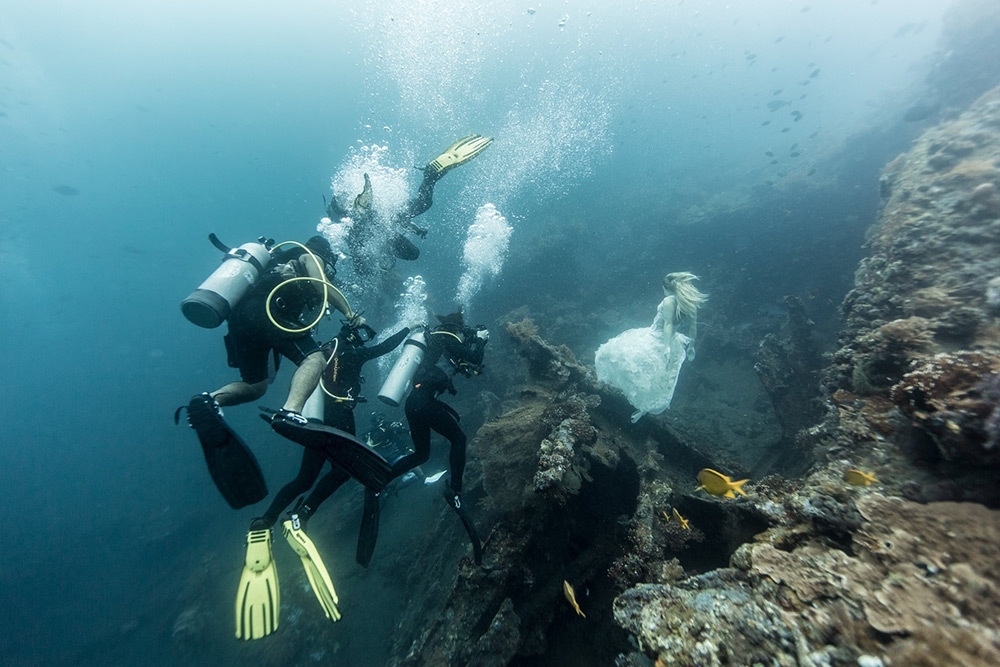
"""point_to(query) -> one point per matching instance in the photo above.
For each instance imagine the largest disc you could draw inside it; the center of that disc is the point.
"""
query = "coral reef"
(708, 620)
(910, 568)
(846, 576)
(556, 455)
(554, 365)
(553, 486)
(949, 398)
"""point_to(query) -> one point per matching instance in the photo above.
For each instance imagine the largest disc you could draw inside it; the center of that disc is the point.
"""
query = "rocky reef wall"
(852, 575)
(918, 354)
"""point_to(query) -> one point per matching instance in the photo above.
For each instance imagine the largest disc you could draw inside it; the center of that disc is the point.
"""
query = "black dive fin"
(362, 462)
(368, 535)
(232, 465)
(477, 547)
(404, 249)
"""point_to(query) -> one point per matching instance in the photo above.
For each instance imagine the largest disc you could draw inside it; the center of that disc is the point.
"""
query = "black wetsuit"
(252, 336)
(341, 377)
(400, 246)
(451, 349)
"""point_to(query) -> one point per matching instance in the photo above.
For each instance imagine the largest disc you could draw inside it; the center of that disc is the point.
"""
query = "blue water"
(129, 131)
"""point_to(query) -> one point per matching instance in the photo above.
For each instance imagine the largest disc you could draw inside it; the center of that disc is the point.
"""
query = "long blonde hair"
(688, 296)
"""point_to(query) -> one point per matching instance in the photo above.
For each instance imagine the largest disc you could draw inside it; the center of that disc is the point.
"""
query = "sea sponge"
(929, 302)
(906, 337)
(948, 398)
(971, 171)
(943, 382)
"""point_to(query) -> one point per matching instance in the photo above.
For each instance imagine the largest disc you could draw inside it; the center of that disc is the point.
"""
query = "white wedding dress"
(644, 366)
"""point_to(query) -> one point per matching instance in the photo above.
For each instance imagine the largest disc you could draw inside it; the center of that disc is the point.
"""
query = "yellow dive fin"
(258, 599)
(363, 201)
(459, 152)
(316, 572)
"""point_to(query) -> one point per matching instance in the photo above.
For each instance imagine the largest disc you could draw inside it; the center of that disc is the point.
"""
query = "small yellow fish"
(571, 596)
(681, 520)
(719, 485)
(666, 517)
(858, 478)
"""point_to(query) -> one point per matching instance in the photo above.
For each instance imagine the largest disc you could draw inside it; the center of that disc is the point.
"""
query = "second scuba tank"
(397, 385)
(313, 409)
(210, 304)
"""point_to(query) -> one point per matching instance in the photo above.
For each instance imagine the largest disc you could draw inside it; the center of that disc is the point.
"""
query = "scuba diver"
(266, 316)
(338, 393)
(451, 349)
(371, 250)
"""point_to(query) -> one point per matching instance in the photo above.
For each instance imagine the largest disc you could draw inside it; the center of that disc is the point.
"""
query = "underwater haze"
(129, 131)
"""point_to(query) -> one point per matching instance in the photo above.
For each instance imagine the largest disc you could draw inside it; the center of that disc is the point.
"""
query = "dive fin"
(312, 563)
(458, 153)
(232, 465)
(403, 248)
(455, 503)
(435, 477)
(362, 462)
(368, 535)
(258, 599)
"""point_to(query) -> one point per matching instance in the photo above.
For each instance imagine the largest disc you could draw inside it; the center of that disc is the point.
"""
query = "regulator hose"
(327, 286)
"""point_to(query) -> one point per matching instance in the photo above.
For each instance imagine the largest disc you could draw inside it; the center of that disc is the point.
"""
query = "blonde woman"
(644, 363)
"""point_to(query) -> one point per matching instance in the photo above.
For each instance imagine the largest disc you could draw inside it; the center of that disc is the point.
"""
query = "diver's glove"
(413, 228)
(483, 335)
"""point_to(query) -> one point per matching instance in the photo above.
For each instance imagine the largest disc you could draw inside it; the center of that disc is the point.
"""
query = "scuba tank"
(210, 304)
(397, 385)
(313, 409)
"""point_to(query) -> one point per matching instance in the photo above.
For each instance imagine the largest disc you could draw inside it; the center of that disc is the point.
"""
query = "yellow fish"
(681, 520)
(719, 485)
(571, 596)
(858, 478)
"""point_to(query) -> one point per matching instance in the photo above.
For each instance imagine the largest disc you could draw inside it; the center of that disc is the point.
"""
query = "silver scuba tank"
(210, 304)
(313, 409)
(397, 385)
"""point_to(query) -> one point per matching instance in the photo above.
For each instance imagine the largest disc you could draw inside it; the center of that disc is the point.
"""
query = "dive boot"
(363, 201)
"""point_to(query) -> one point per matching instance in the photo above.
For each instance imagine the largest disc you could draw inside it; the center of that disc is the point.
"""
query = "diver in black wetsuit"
(341, 382)
(270, 320)
(370, 250)
(452, 348)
